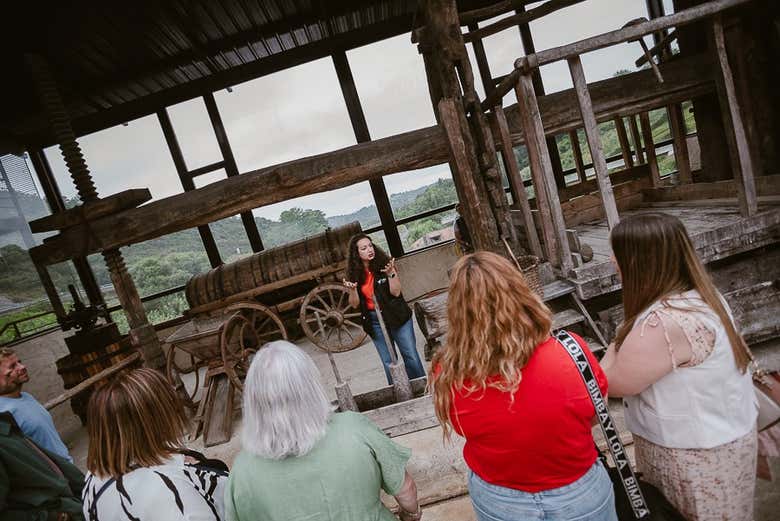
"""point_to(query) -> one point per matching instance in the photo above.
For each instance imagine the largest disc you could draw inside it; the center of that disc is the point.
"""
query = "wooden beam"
(625, 148)
(471, 201)
(91, 210)
(550, 6)
(520, 196)
(633, 32)
(636, 137)
(766, 185)
(409, 151)
(35, 131)
(556, 242)
(594, 141)
(739, 148)
(579, 164)
(679, 136)
(658, 48)
(92, 380)
(628, 94)
(491, 11)
(362, 135)
(652, 160)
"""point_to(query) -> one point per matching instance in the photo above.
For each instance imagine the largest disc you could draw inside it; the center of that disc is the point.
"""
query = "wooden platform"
(716, 228)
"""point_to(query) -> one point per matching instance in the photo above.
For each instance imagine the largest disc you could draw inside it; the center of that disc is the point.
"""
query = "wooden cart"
(238, 307)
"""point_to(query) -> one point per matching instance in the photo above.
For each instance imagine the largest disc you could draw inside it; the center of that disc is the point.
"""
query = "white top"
(701, 406)
(173, 491)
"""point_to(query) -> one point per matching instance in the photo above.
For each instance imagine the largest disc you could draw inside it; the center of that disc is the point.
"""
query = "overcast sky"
(300, 112)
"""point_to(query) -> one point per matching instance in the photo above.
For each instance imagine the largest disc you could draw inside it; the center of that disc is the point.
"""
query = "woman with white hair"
(300, 462)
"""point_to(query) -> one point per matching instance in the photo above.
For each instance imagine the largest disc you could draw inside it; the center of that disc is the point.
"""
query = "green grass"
(28, 326)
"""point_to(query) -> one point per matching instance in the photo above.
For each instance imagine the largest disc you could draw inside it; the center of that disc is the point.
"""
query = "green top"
(338, 480)
(30, 488)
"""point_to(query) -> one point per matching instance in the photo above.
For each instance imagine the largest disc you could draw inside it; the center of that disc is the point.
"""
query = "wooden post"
(625, 148)
(635, 137)
(553, 225)
(652, 160)
(516, 182)
(480, 228)
(529, 47)
(579, 164)
(594, 141)
(739, 148)
(677, 125)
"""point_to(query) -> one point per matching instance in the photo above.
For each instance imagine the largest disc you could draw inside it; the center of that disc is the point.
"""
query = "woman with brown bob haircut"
(682, 368)
(508, 387)
(137, 467)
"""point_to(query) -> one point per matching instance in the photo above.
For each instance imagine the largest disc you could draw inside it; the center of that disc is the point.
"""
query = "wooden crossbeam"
(628, 94)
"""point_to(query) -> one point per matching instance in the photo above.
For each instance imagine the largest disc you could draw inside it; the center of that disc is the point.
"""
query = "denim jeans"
(403, 338)
(590, 498)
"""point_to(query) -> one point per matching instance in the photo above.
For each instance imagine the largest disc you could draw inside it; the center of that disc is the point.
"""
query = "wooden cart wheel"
(329, 321)
(174, 374)
(249, 325)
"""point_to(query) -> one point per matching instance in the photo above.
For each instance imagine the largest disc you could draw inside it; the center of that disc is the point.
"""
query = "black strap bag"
(634, 498)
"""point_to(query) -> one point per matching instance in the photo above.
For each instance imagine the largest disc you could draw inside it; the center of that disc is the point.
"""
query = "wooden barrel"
(75, 368)
(273, 265)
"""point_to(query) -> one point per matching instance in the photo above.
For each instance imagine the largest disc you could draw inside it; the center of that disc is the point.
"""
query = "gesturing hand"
(390, 268)
(349, 284)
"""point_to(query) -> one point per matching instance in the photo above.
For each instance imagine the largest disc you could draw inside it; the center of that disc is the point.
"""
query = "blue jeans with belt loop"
(403, 338)
(590, 498)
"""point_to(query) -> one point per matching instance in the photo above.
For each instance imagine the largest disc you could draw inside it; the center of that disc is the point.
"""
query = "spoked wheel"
(248, 327)
(174, 372)
(329, 321)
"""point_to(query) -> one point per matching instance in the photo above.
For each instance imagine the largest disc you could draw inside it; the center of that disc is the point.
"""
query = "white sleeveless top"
(696, 407)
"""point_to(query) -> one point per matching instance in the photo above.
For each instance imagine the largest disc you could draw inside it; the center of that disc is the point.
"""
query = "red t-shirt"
(367, 288)
(543, 439)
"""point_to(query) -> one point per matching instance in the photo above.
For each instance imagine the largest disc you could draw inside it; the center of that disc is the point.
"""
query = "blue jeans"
(403, 338)
(590, 498)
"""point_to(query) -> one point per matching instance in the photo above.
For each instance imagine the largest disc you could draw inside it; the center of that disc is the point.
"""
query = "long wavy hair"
(135, 419)
(355, 270)
(495, 324)
(657, 260)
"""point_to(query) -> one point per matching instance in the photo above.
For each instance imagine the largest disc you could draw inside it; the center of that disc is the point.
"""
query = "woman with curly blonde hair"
(508, 387)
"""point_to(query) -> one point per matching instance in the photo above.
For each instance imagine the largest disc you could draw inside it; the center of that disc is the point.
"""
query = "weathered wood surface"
(716, 232)
(594, 141)
(625, 147)
(274, 268)
(686, 78)
(590, 186)
(516, 183)
(765, 186)
(579, 164)
(677, 127)
(755, 310)
(556, 244)
(630, 33)
(736, 136)
(550, 6)
(91, 210)
(92, 380)
(590, 208)
(636, 138)
(652, 159)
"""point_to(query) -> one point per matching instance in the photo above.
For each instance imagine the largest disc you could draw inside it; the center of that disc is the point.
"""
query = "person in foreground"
(35, 484)
(682, 368)
(508, 387)
(372, 273)
(137, 468)
(300, 462)
(31, 417)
